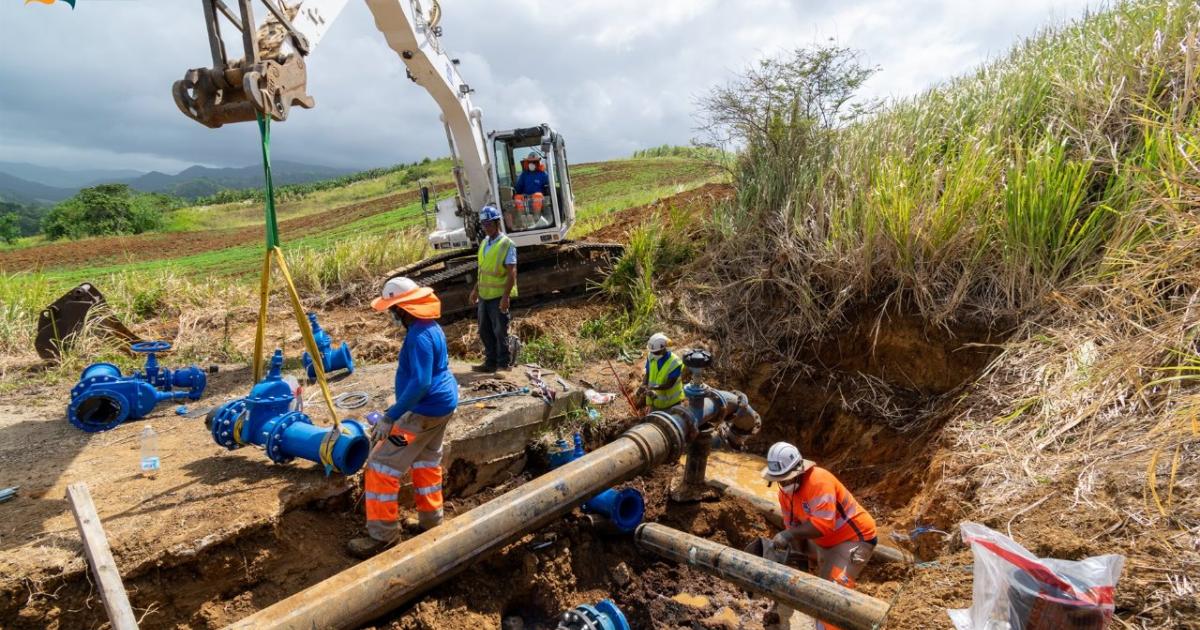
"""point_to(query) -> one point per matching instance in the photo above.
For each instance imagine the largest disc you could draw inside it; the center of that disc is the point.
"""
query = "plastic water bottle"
(149, 444)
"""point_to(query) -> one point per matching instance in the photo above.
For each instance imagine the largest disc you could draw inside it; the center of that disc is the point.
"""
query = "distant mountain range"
(30, 183)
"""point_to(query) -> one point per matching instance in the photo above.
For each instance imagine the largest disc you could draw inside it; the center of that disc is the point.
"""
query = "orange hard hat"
(418, 301)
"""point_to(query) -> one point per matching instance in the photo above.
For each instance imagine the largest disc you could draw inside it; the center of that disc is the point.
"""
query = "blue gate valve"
(264, 418)
(332, 359)
(103, 398)
(624, 508)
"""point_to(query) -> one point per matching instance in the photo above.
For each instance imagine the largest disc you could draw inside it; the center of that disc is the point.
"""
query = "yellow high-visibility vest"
(493, 275)
(666, 398)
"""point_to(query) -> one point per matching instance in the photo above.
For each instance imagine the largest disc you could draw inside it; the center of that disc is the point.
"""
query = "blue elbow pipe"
(624, 508)
(332, 359)
(264, 418)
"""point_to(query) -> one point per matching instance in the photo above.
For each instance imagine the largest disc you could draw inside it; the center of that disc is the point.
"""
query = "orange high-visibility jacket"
(823, 501)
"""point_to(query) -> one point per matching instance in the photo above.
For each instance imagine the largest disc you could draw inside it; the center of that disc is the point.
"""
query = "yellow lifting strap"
(273, 253)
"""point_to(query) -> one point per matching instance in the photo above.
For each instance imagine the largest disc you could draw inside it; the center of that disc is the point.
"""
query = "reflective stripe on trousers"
(840, 563)
(421, 456)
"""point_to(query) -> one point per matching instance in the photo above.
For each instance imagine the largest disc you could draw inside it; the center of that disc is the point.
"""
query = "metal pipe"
(806, 593)
(770, 511)
(381, 584)
(697, 460)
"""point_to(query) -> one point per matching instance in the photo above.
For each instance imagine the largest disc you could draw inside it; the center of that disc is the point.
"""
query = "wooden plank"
(95, 546)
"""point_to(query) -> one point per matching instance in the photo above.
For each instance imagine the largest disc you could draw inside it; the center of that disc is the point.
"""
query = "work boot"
(364, 547)
(410, 525)
(486, 368)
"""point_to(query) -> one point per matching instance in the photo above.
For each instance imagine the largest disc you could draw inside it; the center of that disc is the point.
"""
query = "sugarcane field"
(851, 316)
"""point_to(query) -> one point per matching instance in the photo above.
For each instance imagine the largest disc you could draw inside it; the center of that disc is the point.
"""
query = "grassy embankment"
(1052, 195)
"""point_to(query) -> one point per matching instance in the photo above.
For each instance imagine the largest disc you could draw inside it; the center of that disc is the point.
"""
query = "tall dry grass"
(1051, 194)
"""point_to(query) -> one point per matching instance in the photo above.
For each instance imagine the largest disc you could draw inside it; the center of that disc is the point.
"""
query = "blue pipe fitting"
(332, 359)
(103, 398)
(603, 616)
(264, 418)
(624, 508)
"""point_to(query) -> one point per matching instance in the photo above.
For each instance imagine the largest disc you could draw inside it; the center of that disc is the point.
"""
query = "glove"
(382, 429)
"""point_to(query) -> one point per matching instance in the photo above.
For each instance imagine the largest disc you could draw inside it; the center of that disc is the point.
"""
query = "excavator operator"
(529, 192)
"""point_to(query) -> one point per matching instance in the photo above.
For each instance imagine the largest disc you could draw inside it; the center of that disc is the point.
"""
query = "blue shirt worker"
(533, 179)
(494, 288)
(408, 436)
(664, 375)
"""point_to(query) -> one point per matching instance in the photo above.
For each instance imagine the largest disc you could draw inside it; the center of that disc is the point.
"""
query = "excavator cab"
(542, 209)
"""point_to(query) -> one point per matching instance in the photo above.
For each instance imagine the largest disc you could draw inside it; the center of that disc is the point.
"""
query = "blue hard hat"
(489, 213)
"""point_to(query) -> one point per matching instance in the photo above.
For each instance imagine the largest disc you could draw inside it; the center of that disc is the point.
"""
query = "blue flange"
(332, 359)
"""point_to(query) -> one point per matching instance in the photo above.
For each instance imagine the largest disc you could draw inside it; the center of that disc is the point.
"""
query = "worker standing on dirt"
(663, 382)
(820, 518)
(496, 284)
(408, 437)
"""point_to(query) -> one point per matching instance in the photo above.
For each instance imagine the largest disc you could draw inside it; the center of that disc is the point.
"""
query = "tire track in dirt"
(167, 245)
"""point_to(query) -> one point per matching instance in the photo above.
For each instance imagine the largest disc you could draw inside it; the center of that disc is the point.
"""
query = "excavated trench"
(870, 409)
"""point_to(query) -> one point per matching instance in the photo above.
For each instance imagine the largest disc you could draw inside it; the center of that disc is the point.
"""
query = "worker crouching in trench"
(408, 436)
(821, 519)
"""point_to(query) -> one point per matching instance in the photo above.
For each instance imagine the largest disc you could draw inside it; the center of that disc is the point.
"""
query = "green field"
(321, 262)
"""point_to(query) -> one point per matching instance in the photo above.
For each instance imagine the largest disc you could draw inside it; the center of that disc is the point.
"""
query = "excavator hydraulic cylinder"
(804, 592)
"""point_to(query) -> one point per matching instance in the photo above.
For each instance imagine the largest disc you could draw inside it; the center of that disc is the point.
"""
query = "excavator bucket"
(60, 323)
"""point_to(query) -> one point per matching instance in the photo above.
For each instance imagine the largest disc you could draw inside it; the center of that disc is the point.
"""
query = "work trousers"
(415, 446)
(840, 563)
(493, 331)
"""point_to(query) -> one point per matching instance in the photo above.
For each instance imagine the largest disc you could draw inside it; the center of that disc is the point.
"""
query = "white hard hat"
(395, 287)
(658, 342)
(784, 462)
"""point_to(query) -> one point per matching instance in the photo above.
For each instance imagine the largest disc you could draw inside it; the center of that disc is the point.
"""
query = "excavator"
(271, 77)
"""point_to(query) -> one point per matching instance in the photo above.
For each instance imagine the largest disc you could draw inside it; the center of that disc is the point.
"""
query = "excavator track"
(544, 272)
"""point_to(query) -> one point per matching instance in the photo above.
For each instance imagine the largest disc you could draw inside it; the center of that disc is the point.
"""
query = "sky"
(90, 87)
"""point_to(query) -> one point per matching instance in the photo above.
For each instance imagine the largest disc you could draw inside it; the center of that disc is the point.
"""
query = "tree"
(800, 93)
(10, 227)
(105, 210)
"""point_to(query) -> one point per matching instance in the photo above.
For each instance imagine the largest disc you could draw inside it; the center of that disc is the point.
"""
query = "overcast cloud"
(91, 87)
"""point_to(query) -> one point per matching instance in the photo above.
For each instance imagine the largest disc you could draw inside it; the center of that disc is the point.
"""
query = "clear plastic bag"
(1015, 590)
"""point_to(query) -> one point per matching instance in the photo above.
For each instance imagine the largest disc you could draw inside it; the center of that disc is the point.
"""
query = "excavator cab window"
(529, 197)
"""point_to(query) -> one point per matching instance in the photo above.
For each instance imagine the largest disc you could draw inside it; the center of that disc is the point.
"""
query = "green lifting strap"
(264, 129)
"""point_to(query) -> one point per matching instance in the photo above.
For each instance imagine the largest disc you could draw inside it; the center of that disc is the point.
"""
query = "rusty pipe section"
(381, 584)
(811, 595)
(770, 511)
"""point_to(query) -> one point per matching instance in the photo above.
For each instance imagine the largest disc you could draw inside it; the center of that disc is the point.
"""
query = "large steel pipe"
(377, 586)
(770, 511)
(806, 593)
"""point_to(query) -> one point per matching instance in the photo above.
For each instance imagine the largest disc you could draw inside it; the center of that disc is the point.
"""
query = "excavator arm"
(271, 76)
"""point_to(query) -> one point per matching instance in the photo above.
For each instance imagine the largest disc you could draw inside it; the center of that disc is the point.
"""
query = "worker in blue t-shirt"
(533, 178)
(408, 436)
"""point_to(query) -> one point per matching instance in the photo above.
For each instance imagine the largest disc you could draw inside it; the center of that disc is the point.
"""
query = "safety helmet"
(784, 462)
(418, 301)
(658, 342)
(489, 213)
(533, 156)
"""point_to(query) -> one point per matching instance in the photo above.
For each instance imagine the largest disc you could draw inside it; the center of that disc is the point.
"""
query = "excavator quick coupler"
(265, 80)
